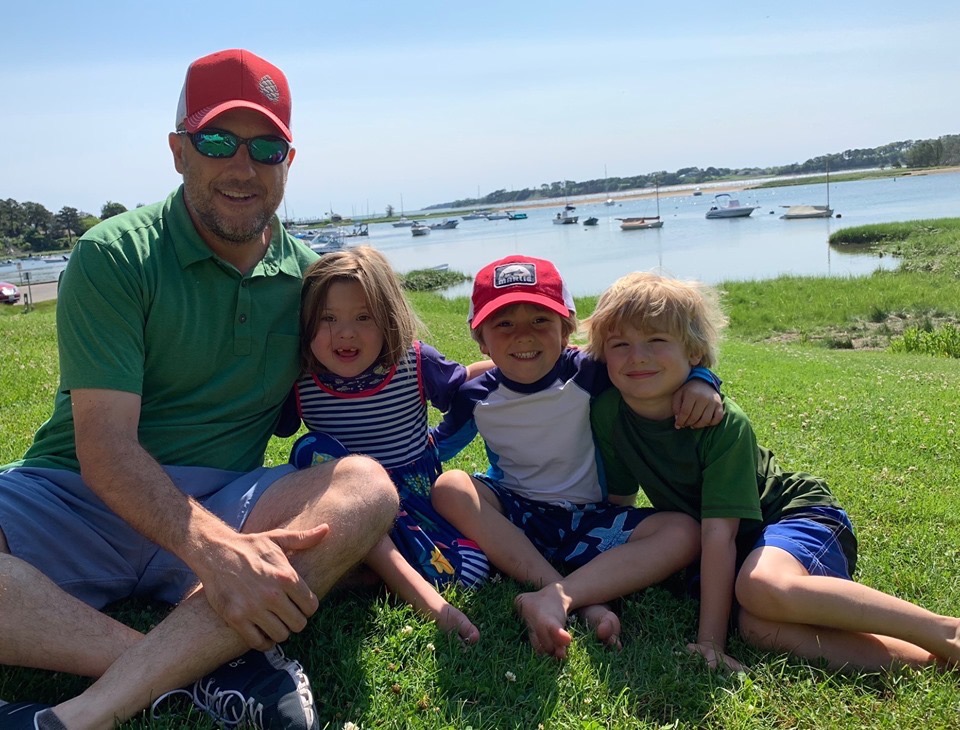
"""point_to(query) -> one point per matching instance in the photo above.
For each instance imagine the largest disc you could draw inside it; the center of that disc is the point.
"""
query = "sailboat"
(638, 224)
(796, 212)
(403, 222)
(606, 192)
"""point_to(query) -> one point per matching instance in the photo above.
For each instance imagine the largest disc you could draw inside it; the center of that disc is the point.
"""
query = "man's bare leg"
(354, 496)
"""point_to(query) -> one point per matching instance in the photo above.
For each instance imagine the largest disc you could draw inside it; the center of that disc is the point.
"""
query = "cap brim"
(518, 297)
(199, 120)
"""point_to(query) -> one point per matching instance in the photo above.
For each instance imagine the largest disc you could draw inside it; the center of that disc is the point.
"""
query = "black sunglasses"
(219, 144)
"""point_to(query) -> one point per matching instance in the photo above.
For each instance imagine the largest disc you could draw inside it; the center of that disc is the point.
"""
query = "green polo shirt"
(145, 307)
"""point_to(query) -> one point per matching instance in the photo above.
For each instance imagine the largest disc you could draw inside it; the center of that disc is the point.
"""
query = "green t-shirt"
(719, 471)
(145, 307)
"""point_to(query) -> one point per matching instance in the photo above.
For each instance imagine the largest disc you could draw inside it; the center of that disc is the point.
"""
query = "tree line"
(31, 228)
(910, 153)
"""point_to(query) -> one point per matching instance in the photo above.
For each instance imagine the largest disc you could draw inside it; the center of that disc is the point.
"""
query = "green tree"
(389, 211)
(68, 223)
(111, 209)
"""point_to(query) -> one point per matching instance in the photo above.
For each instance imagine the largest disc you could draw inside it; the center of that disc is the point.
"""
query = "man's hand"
(250, 583)
(697, 404)
(716, 658)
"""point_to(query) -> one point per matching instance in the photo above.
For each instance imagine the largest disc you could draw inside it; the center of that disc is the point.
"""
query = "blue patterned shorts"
(569, 535)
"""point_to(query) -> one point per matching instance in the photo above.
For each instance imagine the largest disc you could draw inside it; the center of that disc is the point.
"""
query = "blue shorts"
(821, 539)
(571, 535)
(53, 521)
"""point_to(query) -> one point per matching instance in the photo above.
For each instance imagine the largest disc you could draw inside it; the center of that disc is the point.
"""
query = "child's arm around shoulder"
(697, 403)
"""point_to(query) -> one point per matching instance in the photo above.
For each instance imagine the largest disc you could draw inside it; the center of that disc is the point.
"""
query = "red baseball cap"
(516, 279)
(233, 79)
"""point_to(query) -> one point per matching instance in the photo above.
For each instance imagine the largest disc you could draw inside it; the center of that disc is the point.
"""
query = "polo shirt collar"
(191, 248)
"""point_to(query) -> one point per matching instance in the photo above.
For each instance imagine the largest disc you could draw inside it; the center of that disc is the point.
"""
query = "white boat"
(500, 215)
(326, 241)
(726, 206)
(798, 212)
(606, 191)
(419, 229)
(445, 224)
(474, 215)
(566, 216)
(403, 223)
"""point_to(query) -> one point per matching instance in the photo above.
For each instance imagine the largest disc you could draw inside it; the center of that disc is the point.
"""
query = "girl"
(365, 382)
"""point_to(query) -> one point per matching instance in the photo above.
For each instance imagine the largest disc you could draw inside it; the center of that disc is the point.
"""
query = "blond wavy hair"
(688, 310)
(381, 288)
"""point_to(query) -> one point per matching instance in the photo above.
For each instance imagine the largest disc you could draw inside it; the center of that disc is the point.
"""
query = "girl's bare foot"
(546, 619)
(452, 620)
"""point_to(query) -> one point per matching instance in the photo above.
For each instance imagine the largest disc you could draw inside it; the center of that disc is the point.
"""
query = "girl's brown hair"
(381, 288)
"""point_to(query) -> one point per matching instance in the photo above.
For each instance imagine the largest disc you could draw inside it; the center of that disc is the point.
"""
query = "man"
(178, 342)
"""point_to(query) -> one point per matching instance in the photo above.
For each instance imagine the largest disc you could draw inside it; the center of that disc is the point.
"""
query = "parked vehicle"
(9, 294)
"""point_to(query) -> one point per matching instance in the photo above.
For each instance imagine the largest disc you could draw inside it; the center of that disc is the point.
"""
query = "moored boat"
(566, 216)
(726, 206)
(639, 224)
(419, 229)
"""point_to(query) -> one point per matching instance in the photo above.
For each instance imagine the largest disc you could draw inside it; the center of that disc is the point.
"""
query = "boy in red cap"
(542, 502)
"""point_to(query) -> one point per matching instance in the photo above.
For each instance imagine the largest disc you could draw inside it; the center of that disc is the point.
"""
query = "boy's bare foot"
(605, 624)
(544, 614)
(452, 620)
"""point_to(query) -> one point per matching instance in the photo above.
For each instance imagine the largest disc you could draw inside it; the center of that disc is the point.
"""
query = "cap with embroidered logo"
(517, 279)
(233, 79)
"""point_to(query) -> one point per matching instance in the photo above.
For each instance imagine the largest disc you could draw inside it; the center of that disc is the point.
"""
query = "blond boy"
(792, 573)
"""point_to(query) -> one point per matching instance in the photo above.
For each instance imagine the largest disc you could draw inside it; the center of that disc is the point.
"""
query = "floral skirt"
(425, 539)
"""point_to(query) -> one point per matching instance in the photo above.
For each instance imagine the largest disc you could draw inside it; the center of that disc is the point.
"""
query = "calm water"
(688, 246)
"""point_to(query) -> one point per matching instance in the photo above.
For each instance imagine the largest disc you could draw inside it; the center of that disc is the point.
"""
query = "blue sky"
(432, 101)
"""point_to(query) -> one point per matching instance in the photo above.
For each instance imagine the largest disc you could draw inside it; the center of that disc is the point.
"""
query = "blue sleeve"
(589, 374)
(705, 374)
(458, 427)
(442, 378)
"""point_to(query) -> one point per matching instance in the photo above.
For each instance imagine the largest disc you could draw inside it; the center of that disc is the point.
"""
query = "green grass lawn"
(881, 427)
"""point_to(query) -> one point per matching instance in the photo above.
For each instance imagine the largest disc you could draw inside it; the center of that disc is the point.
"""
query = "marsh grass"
(881, 427)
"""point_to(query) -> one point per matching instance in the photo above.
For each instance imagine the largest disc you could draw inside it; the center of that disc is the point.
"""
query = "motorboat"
(514, 216)
(726, 206)
(566, 216)
(445, 224)
(419, 229)
(591, 221)
(403, 223)
(639, 224)
(500, 215)
(322, 242)
(474, 215)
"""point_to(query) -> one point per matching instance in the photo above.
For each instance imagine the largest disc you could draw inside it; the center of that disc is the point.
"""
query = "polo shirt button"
(243, 318)
(244, 283)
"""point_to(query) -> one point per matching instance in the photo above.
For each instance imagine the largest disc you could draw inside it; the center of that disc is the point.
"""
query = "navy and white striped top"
(382, 414)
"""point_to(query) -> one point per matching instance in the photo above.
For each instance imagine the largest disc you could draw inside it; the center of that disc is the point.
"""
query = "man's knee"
(364, 485)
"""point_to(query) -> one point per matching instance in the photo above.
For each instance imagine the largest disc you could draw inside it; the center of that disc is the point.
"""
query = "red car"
(9, 294)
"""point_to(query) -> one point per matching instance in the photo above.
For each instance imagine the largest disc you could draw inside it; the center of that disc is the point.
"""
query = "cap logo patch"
(269, 89)
(514, 274)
